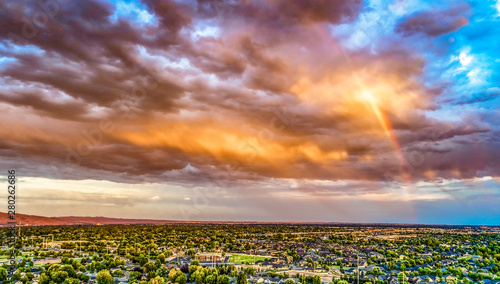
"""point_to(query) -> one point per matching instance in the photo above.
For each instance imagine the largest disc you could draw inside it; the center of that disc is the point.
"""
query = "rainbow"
(379, 113)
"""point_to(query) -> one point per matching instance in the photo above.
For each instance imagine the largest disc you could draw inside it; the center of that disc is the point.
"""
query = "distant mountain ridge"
(33, 220)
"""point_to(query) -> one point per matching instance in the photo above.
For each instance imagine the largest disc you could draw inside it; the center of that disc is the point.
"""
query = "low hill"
(33, 220)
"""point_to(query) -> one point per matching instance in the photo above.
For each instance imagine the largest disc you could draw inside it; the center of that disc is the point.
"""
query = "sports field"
(241, 258)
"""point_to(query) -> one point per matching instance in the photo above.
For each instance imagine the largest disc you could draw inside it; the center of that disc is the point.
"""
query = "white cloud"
(145, 17)
(132, 10)
(7, 60)
(401, 8)
(374, 23)
(465, 58)
(477, 76)
(205, 31)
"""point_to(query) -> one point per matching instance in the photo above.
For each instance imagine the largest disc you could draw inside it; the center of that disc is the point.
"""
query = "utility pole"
(357, 264)
(52, 245)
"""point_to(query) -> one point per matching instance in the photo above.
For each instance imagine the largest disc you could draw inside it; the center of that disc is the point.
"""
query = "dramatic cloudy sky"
(277, 110)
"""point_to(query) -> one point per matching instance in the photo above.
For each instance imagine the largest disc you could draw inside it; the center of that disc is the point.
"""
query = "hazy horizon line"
(266, 222)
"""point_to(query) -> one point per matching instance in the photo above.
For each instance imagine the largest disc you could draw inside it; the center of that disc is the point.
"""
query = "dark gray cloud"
(435, 22)
(224, 93)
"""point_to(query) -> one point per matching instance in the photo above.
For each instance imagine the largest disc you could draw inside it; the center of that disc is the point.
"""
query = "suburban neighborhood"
(253, 253)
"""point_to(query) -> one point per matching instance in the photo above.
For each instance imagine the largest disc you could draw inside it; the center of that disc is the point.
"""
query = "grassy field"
(240, 258)
(3, 257)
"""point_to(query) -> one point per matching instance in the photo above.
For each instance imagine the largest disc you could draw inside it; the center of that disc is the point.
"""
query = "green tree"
(71, 281)
(198, 279)
(151, 274)
(171, 274)
(402, 267)
(142, 260)
(16, 276)
(59, 276)
(439, 273)
(3, 274)
(69, 269)
(432, 242)
(44, 278)
(118, 273)
(181, 279)
(156, 280)
(134, 276)
(25, 279)
(161, 257)
(211, 279)
(242, 279)
(192, 269)
(222, 279)
(190, 252)
(104, 277)
(316, 279)
(82, 277)
(402, 277)
(30, 276)
(148, 267)
(391, 265)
